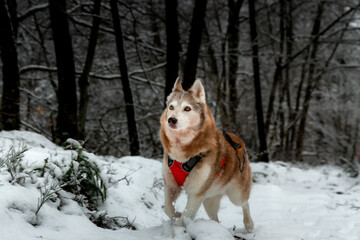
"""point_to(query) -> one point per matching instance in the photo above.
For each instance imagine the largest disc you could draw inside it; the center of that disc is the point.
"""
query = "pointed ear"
(177, 85)
(197, 89)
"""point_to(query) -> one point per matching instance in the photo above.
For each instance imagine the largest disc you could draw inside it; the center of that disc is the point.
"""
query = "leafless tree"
(263, 156)
(10, 115)
(130, 113)
(67, 101)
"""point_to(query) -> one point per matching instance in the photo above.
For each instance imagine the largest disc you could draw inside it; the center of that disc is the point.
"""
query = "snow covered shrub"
(12, 161)
(83, 178)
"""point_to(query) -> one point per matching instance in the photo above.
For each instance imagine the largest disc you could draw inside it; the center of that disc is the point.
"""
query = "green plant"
(83, 178)
(45, 167)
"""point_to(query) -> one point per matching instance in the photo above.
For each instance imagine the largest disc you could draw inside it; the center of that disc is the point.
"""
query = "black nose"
(172, 120)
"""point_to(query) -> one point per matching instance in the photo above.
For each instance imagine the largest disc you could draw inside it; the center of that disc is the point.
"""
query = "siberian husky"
(200, 158)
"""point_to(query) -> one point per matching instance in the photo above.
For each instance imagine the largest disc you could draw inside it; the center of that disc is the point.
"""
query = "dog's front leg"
(192, 206)
(172, 192)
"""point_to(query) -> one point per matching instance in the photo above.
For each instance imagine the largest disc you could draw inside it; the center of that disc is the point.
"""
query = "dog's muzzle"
(172, 121)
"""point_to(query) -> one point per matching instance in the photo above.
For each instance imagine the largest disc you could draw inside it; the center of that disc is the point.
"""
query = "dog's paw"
(249, 225)
(177, 215)
(180, 222)
(171, 213)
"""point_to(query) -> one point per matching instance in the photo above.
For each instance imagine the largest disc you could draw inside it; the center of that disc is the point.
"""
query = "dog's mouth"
(172, 125)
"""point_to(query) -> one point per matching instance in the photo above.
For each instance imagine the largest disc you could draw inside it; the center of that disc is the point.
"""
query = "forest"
(281, 74)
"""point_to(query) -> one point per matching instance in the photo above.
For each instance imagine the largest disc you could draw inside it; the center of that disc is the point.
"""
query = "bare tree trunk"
(12, 9)
(289, 47)
(214, 71)
(83, 79)
(224, 88)
(67, 110)
(129, 105)
(222, 99)
(280, 113)
(10, 116)
(270, 109)
(292, 129)
(277, 78)
(263, 156)
(233, 40)
(309, 87)
(197, 26)
(172, 45)
(154, 26)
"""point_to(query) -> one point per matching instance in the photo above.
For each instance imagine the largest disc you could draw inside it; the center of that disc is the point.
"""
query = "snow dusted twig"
(37, 130)
(106, 77)
(157, 184)
(32, 67)
(126, 177)
(32, 10)
(39, 99)
(146, 70)
(142, 80)
(111, 31)
(140, 57)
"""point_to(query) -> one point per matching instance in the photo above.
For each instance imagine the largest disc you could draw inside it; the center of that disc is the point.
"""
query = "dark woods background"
(282, 74)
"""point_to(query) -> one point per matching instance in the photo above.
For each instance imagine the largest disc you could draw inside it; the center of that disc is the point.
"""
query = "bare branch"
(107, 77)
(32, 10)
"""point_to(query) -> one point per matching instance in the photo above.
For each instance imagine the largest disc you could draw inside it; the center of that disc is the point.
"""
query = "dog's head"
(185, 109)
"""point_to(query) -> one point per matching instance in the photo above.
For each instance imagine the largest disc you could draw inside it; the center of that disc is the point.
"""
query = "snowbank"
(287, 202)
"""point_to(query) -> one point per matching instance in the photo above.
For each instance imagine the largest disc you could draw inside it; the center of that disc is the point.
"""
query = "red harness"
(181, 170)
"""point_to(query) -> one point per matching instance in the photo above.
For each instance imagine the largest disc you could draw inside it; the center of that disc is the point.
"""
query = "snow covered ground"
(287, 202)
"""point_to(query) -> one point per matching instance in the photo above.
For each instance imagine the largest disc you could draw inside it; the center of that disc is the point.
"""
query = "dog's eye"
(187, 109)
(171, 107)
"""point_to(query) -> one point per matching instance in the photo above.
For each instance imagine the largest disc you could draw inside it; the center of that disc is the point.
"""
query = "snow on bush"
(58, 177)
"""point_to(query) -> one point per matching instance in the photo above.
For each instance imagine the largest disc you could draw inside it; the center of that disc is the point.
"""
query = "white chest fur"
(178, 139)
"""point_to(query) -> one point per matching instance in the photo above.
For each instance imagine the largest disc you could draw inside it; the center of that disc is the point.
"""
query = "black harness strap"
(237, 147)
(170, 161)
(189, 165)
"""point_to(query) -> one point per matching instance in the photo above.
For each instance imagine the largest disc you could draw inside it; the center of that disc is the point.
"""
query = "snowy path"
(286, 202)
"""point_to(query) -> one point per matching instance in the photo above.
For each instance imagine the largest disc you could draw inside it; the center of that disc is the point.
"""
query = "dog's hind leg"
(237, 199)
(211, 206)
(248, 222)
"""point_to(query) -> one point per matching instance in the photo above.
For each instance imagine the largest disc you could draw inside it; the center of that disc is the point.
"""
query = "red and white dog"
(199, 158)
